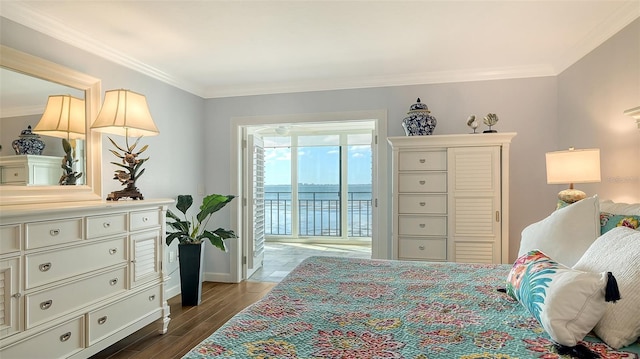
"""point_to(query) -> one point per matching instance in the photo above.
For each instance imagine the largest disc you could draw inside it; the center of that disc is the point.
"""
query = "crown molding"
(18, 111)
(635, 114)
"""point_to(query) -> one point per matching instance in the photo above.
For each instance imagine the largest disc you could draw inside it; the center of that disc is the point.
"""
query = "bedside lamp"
(126, 113)
(64, 117)
(573, 166)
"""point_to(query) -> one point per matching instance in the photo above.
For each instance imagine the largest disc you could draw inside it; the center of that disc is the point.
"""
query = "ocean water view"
(319, 210)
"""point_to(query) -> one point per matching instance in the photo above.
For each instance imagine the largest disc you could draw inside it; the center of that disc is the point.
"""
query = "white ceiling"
(234, 48)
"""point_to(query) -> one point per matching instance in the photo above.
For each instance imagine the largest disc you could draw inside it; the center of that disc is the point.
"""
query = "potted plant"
(191, 235)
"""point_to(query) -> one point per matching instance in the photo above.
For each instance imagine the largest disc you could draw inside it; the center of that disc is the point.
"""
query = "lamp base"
(571, 195)
(132, 193)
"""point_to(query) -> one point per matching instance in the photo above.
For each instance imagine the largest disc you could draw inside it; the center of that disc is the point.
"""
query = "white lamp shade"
(573, 166)
(125, 113)
(64, 117)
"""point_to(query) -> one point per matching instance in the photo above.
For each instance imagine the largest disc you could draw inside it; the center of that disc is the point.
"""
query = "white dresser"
(451, 197)
(30, 170)
(77, 277)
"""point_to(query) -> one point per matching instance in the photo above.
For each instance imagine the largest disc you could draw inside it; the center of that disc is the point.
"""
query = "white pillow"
(618, 251)
(566, 234)
(619, 208)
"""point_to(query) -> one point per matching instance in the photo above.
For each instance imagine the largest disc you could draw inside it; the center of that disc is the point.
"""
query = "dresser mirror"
(27, 81)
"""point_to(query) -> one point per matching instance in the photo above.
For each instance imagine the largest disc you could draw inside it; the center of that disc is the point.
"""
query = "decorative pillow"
(609, 221)
(566, 302)
(566, 234)
(620, 208)
(619, 252)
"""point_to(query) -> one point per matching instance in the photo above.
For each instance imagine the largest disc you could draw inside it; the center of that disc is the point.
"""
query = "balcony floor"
(280, 258)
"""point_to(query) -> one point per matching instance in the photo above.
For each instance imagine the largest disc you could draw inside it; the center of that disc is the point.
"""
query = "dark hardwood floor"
(189, 325)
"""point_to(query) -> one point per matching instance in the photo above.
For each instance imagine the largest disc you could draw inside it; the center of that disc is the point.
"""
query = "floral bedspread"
(373, 309)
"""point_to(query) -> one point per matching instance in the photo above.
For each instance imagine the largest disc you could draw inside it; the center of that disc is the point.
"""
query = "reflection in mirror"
(22, 103)
(19, 66)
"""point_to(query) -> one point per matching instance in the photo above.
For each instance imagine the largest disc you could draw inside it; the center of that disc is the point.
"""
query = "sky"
(318, 165)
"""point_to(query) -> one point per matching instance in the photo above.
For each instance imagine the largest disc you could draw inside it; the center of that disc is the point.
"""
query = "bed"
(330, 307)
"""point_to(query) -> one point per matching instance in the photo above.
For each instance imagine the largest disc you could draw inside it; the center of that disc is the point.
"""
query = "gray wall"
(549, 113)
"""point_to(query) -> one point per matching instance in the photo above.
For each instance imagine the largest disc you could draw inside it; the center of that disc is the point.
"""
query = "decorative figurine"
(490, 120)
(131, 165)
(472, 122)
(29, 143)
(419, 122)
(70, 176)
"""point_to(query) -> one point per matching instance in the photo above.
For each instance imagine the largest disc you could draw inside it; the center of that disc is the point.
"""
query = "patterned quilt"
(375, 309)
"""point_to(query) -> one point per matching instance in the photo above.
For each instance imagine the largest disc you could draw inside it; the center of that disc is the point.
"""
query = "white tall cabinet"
(77, 277)
(451, 197)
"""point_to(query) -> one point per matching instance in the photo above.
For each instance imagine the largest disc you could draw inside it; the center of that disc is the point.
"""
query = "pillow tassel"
(612, 294)
(579, 351)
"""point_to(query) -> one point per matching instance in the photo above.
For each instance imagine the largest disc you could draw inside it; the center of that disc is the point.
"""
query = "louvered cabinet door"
(10, 298)
(474, 204)
(145, 265)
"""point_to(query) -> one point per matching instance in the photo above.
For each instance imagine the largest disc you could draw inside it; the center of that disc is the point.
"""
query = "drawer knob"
(17, 295)
(66, 336)
(114, 281)
(15, 174)
(422, 160)
(422, 225)
(44, 267)
(422, 204)
(54, 232)
(106, 224)
(113, 251)
(102, 320)
(46, 304)
(421, 248)
(423, 182)
(145, 219)
(152, 297)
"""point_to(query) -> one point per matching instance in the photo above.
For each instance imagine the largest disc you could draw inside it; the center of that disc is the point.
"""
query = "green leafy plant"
(194, 231)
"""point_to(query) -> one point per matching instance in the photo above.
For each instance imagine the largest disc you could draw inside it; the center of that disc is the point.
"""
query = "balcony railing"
(319, 214)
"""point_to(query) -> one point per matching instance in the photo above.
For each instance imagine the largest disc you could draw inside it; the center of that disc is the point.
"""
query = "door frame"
(380, 240)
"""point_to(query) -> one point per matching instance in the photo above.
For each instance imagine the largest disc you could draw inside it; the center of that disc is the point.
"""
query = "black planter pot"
(191, 265)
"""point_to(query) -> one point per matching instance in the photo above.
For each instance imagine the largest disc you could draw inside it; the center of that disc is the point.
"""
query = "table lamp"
(573, 166)
(126, 113)
(64, 117)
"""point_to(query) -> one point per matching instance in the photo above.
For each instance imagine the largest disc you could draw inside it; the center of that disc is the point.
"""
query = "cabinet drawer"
(422, 225)
(48, 267)
(100, 226)
(9, 238)
(48, 304)
(144, 219)
(58, 342)
(42, 234)
(14, 174)
(108, 320)
(422, 203)
(422, 160)
(434, 249)
(422, 182)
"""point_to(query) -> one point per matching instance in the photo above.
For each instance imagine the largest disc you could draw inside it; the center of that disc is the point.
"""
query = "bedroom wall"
(592, 96)
(176, 155)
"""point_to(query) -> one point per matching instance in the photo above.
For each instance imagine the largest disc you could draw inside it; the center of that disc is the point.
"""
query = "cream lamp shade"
(573, 166)
(125, 113)
(63, 117)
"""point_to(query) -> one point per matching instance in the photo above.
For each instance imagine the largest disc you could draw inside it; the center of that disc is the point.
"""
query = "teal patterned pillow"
(566, 302)
(609, 221)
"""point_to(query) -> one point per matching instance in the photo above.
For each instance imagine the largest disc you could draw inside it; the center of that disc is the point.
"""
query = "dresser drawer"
(14, 174)
(422, 225)
(58, 342)
(100, 226)
(434, 249)
(422, 182)
(422, 203)
(42, 234)
(9, 238)
(144, 219)
(48, 304)
(422, 161)
(108, 320)
(48, 267)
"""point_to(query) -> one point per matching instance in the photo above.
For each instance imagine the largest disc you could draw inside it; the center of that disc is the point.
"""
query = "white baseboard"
(217, 277)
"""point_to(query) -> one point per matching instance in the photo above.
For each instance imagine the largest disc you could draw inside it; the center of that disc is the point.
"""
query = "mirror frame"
(46, 70)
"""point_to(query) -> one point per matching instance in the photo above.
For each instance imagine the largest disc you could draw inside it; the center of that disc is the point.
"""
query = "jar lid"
(419, 107)
(28, 134)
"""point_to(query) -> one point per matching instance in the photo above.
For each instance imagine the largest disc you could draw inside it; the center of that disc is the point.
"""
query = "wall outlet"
(173, 256)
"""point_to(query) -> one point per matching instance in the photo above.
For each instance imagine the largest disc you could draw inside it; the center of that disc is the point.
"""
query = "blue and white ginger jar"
(419, 122)
(29, 143)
